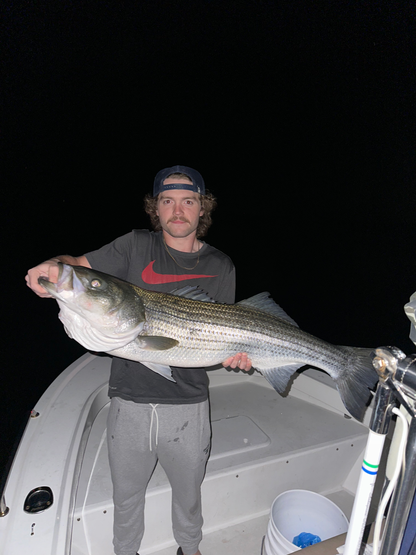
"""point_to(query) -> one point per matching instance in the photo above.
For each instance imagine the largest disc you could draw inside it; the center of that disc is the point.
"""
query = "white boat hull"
(263, 444)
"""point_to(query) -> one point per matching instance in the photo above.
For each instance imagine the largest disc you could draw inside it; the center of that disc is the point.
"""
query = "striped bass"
(106, 314)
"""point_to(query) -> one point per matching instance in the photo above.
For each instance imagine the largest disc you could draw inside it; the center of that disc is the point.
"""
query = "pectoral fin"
(155, 343)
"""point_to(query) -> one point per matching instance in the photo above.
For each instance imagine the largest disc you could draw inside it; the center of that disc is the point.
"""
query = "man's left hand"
(240, 360)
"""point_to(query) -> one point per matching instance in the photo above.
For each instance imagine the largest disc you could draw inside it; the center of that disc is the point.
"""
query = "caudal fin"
(356, 380)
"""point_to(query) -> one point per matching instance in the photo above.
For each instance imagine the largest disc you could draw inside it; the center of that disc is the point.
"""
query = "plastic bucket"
(296, 511)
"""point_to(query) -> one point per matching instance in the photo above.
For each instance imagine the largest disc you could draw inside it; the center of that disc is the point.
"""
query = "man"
(152, 419)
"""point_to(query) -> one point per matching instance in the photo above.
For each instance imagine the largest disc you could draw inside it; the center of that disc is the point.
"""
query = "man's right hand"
(48, 269)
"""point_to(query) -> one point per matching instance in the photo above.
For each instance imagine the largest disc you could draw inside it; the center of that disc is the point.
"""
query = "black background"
(299, 115)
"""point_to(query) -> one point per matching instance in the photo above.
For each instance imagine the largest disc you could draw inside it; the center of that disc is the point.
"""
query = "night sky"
(299, 115)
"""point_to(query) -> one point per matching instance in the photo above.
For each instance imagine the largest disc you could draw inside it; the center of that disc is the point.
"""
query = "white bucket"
(296, 511)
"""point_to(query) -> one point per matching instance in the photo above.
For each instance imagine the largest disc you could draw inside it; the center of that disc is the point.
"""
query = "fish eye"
(95, 283)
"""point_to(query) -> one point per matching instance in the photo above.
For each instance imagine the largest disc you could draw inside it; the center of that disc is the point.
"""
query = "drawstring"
(154, 412)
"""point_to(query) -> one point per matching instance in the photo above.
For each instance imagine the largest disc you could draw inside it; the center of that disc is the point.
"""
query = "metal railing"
(4, 509)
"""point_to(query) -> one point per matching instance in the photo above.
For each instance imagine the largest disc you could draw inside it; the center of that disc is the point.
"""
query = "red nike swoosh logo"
(151, 277)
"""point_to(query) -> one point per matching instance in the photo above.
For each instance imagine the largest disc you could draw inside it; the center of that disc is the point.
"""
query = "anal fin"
(279, 377)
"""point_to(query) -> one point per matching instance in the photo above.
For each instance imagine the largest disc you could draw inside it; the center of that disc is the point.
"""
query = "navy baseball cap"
(197, 185)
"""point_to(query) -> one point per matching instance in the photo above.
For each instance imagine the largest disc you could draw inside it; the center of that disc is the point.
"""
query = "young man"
(152, 419)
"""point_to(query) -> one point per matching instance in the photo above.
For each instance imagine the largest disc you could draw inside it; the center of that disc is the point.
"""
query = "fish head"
(101, 312)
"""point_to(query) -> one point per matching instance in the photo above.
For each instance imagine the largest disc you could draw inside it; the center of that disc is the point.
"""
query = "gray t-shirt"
(141, 258)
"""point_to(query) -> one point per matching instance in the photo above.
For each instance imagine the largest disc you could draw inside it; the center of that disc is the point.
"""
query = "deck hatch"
(236, 434)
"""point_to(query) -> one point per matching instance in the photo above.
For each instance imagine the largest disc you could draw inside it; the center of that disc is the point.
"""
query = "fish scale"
(160, 330)
(238, 333)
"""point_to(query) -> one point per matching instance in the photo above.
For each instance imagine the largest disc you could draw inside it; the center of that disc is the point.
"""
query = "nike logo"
(151, 277)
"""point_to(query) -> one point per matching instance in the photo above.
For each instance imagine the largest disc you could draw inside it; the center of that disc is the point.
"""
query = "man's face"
(179, 210)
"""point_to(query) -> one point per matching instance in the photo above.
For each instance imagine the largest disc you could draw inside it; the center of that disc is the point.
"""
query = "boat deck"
(262, 444)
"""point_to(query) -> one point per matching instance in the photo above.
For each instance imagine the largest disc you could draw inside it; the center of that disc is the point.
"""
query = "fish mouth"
(67, 285)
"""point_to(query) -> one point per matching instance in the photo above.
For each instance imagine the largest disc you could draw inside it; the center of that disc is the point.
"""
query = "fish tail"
(355, 380)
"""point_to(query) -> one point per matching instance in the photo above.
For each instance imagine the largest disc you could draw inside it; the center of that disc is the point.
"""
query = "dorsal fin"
(192, 292)
(264, 302)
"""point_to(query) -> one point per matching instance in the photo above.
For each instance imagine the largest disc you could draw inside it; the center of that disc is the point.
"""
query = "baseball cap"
(197, 185)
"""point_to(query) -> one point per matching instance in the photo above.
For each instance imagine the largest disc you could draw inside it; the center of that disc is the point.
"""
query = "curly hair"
(208, 203)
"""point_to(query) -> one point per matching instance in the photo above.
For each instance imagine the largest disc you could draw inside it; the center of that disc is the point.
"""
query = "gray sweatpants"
(139, 435)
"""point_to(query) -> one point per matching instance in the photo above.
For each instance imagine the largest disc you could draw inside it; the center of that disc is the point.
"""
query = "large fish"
(106, 314)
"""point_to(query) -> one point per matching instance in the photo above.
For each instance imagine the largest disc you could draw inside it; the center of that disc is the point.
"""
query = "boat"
(58, 496)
